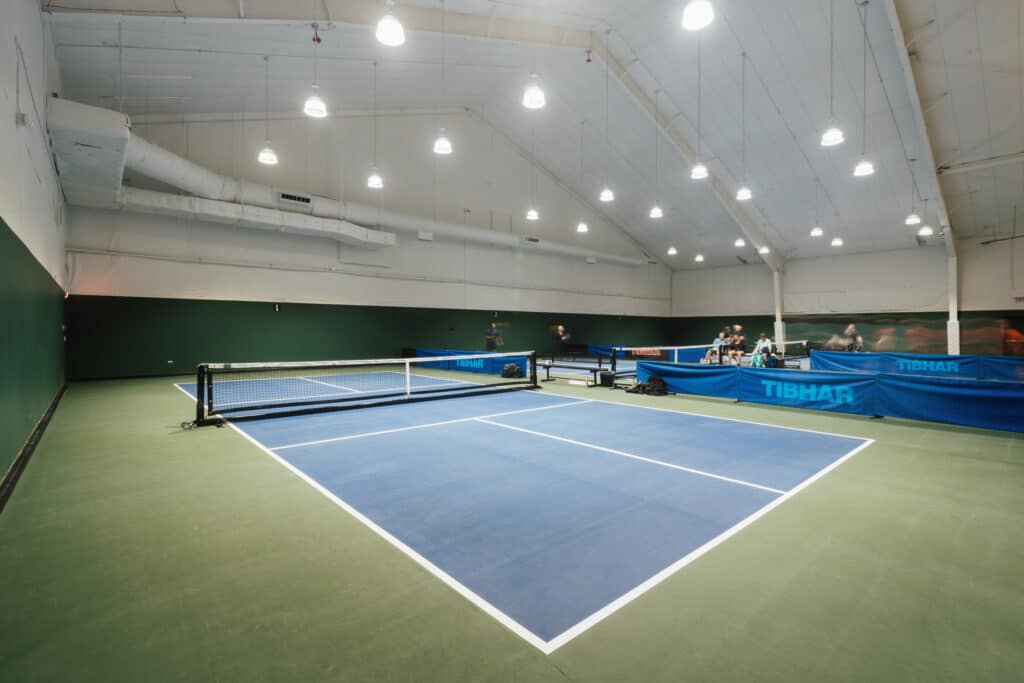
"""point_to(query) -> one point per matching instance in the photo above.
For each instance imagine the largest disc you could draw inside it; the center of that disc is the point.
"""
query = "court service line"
(328, 384)
(425, 426)
(623, 454)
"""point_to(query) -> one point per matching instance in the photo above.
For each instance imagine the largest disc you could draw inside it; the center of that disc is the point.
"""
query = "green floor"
(133, 551)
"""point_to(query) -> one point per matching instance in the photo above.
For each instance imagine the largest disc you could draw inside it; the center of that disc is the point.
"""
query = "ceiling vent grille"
(298, 200)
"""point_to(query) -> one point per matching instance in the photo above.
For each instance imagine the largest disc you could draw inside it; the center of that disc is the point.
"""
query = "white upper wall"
(30, 198)
(991, 276)
(903, 280)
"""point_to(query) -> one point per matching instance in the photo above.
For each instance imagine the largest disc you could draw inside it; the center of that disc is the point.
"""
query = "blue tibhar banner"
(837, 392)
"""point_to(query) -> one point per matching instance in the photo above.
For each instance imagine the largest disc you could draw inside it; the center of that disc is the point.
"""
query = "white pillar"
(780, 326)
(953, 324)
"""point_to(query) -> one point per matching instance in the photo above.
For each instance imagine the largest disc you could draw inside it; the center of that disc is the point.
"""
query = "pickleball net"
(251, 389)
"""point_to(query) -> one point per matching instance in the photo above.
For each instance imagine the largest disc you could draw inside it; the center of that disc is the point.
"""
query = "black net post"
(532, 361)
(200, 383)
(209, 391)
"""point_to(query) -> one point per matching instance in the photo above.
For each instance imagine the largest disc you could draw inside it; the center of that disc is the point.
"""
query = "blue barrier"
(703, 380)
(485, 366)
(989, 404)
(974, 403)
(835, 392)
(966, 366)
(998, 367)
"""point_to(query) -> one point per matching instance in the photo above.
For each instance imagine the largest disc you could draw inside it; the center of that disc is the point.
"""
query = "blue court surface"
(548, 512)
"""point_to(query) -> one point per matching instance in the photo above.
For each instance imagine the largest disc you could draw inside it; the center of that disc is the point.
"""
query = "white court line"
(450, 581)
(424, 426)
(395, 390)
(641, 458)
(623, 600)
(547, 647)
(328, 384)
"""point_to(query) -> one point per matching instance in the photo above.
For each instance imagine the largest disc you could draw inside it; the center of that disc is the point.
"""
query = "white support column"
(780, 326)
(953, 324)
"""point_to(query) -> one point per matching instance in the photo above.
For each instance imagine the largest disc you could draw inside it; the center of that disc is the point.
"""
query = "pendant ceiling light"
(926, 230)
(864, 167)
(764, 250)
(743, 194)
(672, 251)
(606, 192)
(656, 211)
(531, 213)
(442, 144)
(912, 217)
(315, 106)
(375, 181)
(389, 29)
(698, 14)
(581, 226)
(533, 96)
(739, 243)
(816, 230)
(833, 134)
(837, 241)
(699, 258)
(267, 155)
(699, 171)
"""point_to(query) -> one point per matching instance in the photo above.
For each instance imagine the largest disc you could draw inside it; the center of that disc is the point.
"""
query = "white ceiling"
(195, 66)
(967, 59)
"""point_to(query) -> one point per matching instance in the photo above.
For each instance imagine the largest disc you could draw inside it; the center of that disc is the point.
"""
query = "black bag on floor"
(511, 370)
(656, 386)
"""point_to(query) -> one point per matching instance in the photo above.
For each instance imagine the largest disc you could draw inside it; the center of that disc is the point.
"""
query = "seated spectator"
(737, 346)
(714, 353)
(762, 351)
(857, 344)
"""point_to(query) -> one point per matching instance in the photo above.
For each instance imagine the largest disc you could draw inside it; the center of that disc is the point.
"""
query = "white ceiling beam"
(922, 127)
(990, 162)
(747, 225)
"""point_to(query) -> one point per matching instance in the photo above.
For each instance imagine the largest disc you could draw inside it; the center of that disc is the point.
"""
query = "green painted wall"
(31, 343)
(128, 337)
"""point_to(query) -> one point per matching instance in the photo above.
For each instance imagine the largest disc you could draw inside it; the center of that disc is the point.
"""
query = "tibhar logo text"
(823, 393)
(477, 364)
(945, 366)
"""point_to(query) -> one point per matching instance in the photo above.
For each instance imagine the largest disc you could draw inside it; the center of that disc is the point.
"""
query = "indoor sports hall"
(512, 340)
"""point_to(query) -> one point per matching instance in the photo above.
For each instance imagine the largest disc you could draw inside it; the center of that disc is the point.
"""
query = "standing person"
(562, 337)
(492, 338)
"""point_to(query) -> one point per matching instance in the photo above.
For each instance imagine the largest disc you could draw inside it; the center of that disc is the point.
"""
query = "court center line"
(623, 454)
(328, 384)
(425, 426)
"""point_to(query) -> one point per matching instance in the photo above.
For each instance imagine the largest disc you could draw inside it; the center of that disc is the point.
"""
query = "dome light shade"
(699, 172)
(743, 194)
(699, 258)
(863, 168)
(533, 96)
(315, 106)
(832, 136)
(698, 14)
(656, 211)
(912, 219)
(389, 29)
(837, 241)
(740, 243)
(764, 250)
(442, 145)
(672, 251)
(925, 231)
(532, 215)
(375, 182)
(582, 227)
(607, 195)
(267, 155)
(816, 231)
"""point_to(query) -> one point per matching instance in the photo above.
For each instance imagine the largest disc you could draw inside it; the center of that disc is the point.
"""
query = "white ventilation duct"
(160, 164)
(254, 217)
